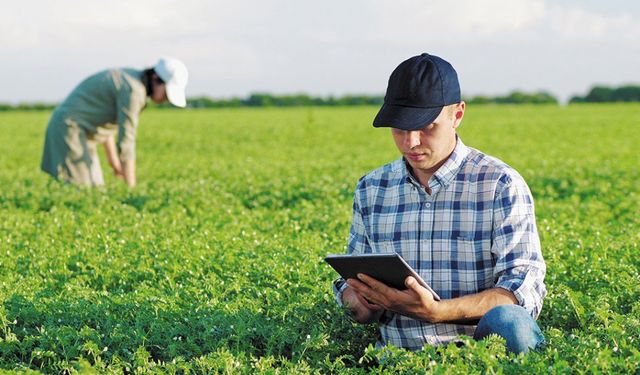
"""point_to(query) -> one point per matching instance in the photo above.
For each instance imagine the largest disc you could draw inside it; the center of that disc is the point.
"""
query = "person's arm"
(356, 306)
(418, 303)
(519, 265)
(112, 156)
(130, 104)
(129, 171)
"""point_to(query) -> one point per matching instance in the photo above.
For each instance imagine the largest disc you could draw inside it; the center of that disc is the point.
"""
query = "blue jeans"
(514, 324)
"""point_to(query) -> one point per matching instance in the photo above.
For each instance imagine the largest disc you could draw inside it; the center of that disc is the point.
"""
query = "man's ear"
(458, 114)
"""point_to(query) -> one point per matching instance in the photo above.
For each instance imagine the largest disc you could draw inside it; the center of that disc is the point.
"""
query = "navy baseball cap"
(418, 90)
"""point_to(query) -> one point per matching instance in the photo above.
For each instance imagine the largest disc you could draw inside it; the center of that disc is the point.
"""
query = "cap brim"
(405, 118)
(176, 95)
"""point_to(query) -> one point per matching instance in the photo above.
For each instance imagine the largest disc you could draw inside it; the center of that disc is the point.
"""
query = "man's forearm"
(112, 153)
(129, 171)
(472, 307)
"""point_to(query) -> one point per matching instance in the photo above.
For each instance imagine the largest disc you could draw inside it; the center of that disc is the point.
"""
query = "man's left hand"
(416, 301)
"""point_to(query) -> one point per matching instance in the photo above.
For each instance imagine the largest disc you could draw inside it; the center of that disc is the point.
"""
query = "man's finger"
(411, 283)
(360, 289)
(357, 284)
(367, 303)
(373, 283)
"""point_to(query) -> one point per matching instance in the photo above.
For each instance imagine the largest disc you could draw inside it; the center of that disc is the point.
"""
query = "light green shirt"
(107, 102)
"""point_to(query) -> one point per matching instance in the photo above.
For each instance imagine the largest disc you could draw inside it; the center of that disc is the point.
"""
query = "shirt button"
(428, 205)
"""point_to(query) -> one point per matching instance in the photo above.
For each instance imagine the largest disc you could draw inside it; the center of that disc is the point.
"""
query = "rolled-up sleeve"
(129, 107)
(519, 265)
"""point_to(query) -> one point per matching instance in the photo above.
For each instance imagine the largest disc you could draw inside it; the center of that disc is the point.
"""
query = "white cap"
(175, 76)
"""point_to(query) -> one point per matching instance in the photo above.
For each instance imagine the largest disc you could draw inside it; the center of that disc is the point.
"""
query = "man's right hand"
(117, 170)
(361, 311)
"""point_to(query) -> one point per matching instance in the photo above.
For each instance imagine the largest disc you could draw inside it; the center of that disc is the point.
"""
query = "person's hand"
(360, 310)
(117, 170)
(415, 301)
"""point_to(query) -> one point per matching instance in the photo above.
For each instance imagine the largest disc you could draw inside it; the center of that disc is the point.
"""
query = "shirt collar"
(447, 171)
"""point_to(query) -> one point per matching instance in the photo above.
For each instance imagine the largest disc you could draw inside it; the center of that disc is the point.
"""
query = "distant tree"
(628, 93)
(543, 97)
(37, 106)
(577, 99)
(201, 102)
(517, 97)
(604, 94)
(258, 100)
(480, 99)
(599, 94)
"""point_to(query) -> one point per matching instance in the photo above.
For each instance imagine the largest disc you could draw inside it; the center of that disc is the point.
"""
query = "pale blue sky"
(320, 47)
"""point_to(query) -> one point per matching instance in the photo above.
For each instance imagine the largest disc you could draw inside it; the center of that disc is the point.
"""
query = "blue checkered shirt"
(475, 231)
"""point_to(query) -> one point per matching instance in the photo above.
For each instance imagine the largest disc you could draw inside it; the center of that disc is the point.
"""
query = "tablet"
(388, 268)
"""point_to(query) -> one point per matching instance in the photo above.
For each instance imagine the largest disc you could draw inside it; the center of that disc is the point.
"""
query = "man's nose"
(412, 138)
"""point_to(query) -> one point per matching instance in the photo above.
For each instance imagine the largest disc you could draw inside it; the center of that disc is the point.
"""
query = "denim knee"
(514, 324)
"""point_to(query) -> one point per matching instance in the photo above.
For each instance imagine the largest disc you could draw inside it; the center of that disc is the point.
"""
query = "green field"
(214, 262)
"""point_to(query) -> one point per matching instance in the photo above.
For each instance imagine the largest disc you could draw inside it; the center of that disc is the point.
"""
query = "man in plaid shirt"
(463, 220)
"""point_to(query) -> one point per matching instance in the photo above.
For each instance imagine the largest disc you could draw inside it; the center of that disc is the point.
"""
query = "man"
(103, 105)
(463, 220)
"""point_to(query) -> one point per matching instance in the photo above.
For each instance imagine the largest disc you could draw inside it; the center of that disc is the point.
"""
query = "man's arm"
(356, 306)
(125, 169)
(129, 171)
(519, 265)
(112, 156)
(418, 303)
(129, 103)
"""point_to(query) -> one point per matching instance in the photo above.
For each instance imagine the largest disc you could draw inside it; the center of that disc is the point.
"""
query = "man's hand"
(418, 303)
(112, 155)
(122, 169)
(117, 170)
(359, 309)
(415, 302)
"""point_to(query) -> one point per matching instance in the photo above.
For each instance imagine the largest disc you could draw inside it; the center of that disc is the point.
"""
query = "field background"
(214, 262)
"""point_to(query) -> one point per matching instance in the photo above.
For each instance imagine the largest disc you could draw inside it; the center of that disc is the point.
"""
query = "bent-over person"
(104, 109)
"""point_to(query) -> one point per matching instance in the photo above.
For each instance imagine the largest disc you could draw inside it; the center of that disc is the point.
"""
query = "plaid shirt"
(475, 231)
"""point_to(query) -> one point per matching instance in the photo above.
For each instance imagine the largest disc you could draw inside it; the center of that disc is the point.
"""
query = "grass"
(213, 264)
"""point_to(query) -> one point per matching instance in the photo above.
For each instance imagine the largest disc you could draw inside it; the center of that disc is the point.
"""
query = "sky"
(329, 47)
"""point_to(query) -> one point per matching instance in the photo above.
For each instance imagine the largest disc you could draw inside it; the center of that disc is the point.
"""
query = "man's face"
(159, 91)
(428, 148)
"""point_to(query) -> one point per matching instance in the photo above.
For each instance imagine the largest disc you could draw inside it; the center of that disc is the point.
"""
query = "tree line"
(27, 107)
(304, 100)
(268, 100)
(296, 100)
(605, 94)
(597, 94)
